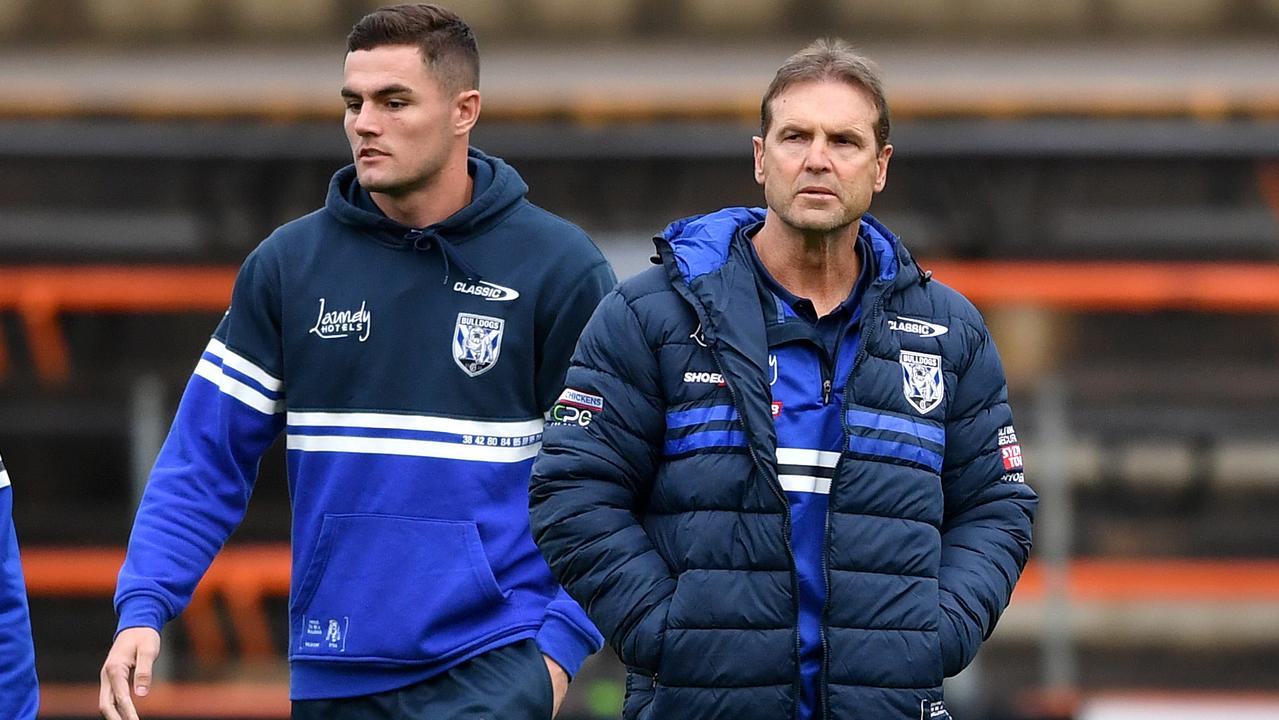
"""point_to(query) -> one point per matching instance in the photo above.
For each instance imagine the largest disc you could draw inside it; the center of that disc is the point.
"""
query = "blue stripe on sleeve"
(901, 451)
(697, 416)
(707, 439)
(906, 426)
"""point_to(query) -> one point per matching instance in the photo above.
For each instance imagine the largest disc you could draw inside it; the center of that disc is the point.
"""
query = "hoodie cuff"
(565, 643)
(141, 611)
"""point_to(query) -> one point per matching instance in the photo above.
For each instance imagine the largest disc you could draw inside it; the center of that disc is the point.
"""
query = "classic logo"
(922, 380)
(487, 290)
(477, 342)
(933, 710)
(922, 328)
(330, 324)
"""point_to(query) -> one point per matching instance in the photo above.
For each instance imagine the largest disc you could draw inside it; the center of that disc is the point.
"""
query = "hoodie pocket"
(393, 588)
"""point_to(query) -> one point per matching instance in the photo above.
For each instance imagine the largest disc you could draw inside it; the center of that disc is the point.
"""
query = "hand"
(559, 683)
(131, 657)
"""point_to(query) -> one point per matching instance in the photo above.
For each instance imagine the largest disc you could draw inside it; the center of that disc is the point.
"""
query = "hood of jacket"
(498, 190)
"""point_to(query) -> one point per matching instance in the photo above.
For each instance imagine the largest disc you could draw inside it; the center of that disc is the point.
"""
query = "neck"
(438, 198)
(819, 266)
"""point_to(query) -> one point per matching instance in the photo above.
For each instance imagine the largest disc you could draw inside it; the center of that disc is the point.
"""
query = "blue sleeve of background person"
(232, 410)
(589, 482)
(987, 523)
(19, 692)
(567, 635)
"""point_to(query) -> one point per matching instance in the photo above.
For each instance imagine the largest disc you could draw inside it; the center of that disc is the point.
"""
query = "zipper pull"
(826, 392)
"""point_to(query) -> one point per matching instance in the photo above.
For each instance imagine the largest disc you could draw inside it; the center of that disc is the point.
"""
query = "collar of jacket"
(709, 265)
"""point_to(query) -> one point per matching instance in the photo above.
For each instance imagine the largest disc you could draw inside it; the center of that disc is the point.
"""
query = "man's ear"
(757, 143)
(466, 111)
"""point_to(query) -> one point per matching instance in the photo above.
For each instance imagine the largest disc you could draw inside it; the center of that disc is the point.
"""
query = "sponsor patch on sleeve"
(933, 710)
(575, 407)
(1010, 450)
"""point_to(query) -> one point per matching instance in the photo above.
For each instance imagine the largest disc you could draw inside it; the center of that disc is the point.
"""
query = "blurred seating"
(129, 20)
(593, 19)
(714, 17)
(1154, 17)
(125, 21)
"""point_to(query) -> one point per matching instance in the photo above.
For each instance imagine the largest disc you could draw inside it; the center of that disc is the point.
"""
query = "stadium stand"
(1110, 200)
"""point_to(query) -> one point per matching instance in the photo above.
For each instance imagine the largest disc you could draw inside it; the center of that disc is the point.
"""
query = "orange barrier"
(1160, 579)
(41, 294)
(233, 700)
(241, 576)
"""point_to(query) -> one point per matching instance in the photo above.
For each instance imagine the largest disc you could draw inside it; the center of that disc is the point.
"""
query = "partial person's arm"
(567, 635)
(593, 478)
(231, 411)
(19, 692)
(988, 507)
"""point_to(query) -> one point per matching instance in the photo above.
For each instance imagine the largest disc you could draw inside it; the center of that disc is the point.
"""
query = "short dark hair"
(829, 59)
(447, 44)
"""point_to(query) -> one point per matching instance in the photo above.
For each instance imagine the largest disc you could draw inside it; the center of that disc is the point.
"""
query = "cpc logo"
(571, 415)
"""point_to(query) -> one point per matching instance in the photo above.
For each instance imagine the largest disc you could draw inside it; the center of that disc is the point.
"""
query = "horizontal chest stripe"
(803, 456)
(700, 416)
(413, 448)
(894, 423)
(704, 440)
(395, 433)
(419, 423)
(805, 483)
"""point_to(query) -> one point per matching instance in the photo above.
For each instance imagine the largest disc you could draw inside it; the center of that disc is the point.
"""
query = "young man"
(797, 493)
(408, 338)
(19, 692)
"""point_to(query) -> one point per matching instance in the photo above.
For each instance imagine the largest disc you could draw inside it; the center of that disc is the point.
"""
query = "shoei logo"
(330, 324)
(487, 290)
(922, 328)
(704, 377)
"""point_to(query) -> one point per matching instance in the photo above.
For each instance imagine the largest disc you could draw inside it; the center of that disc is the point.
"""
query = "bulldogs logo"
(477, 342)
(922, 380)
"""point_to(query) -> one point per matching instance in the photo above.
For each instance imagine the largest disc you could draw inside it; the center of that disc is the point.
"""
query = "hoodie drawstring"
(424, 240)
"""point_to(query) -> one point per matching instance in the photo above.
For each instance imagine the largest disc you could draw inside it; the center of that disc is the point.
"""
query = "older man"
(783, 477)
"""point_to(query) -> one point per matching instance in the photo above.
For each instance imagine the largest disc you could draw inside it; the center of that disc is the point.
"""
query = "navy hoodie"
(410, 369)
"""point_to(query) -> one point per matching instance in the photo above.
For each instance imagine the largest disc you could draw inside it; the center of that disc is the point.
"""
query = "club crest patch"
(922, 380)
(477, 342)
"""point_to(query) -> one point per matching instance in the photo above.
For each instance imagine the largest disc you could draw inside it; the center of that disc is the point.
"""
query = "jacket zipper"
(830, 501)
(786, 517)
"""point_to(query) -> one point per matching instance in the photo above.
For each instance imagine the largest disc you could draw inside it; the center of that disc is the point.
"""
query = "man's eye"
(352, 106)
(396, 104)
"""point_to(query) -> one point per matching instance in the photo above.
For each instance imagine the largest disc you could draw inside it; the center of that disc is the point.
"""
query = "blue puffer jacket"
(657, 502)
